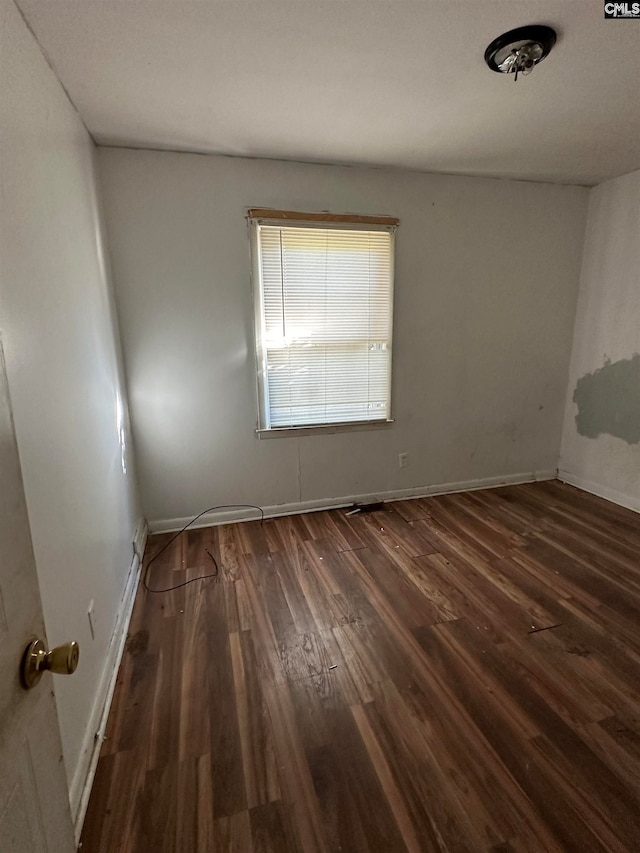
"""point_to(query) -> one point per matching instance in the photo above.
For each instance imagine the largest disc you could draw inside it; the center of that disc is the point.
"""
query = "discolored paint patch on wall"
(608, 400)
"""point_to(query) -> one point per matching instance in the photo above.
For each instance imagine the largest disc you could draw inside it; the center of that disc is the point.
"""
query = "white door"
(34, 803)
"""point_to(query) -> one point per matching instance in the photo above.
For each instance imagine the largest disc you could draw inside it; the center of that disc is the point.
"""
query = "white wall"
(606, 460)
(60, 336)
(486, 283)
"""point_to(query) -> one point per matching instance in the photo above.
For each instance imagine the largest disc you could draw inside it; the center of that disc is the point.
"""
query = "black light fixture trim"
(539, 39)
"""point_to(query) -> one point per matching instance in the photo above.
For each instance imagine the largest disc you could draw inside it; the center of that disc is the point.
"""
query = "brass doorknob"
(36, 660)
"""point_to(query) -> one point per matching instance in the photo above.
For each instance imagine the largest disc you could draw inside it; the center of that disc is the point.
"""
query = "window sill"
(322, 429)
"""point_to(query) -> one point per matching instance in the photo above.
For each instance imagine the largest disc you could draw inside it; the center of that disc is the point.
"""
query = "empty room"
(319, 426)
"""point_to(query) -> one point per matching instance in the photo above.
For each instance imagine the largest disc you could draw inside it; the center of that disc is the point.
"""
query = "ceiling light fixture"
(519, 50)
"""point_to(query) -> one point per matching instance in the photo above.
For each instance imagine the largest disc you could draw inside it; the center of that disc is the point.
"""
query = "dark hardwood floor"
(455, 673)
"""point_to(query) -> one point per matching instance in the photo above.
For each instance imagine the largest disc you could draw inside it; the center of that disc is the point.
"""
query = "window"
(323, 297)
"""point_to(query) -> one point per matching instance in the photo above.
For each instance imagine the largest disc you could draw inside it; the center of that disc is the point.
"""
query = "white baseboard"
(216, 517)
(140, 538)
(82, 782)
(605, 492)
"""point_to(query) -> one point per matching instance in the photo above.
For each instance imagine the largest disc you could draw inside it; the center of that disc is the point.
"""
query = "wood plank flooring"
(455, 673)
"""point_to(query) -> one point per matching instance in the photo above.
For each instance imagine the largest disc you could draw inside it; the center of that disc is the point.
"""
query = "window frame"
(280, 218)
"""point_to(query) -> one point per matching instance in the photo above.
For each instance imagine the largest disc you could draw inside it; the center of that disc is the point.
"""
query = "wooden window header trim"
(297, 216)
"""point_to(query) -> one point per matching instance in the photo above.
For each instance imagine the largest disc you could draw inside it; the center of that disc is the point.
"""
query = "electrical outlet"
(91, 613)
(403, 460)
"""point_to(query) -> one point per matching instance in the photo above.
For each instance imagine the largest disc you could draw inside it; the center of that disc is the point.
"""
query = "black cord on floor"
(180, 532)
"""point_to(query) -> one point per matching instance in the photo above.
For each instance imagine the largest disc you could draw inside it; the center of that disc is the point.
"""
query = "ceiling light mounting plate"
(519, 51)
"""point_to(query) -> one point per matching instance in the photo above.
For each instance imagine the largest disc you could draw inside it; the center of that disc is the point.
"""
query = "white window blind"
(325, 297)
